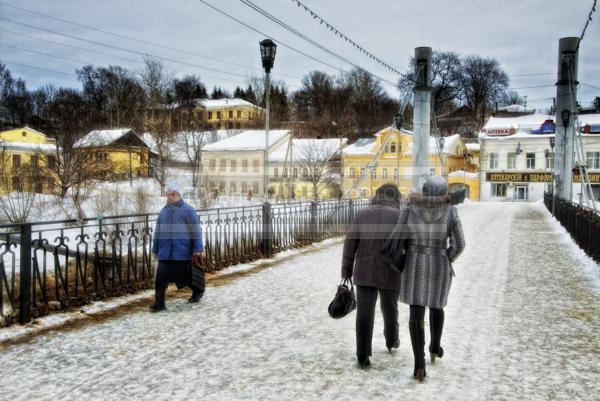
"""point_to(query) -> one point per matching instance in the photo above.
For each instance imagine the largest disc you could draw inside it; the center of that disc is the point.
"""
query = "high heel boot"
(417, 338)
(436, 326)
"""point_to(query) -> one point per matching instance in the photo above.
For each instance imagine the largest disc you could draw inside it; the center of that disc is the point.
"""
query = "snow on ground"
(522, 323)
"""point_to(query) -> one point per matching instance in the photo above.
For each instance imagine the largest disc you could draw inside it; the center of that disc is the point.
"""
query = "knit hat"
(173, 186)
(435, 186)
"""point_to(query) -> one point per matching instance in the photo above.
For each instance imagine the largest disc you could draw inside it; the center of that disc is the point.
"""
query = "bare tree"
(483, 81)
(190, 143)
(314, 158)
(16, 194)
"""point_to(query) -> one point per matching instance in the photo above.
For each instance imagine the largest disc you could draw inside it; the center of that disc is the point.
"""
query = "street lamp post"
(267, 54)
(442, 141)
(398, 120)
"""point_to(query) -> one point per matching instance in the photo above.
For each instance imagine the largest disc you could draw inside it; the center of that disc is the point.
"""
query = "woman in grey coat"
(372, 276)
(431, 233)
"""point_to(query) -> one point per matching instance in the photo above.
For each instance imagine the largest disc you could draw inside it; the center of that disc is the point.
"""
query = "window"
(210, 115)
(230, 113)
(295, 172)
(498, 190)
(233, 164)
(212, 185)
(218, 115)
(34, 161)
(212, 165)
(239, 114)
(396, 175)
(374, 173)
(432, 172)
(362, 171)
(593, 160)
(304, 192)
(530, 160)
(255, 165)
(276, 172)
(245, 165)
(244, 187)
(16, 183)
(229, 125)
(384, 173)
(511, 161)
(16, 161)
(285, 172)
(255, 187)
(363, 193)
(550, 160)
(222, 164)
(387, 148)
(238, 125)
(350, 172)
(23, 133)
(50, 184)
(393, 147)
(493, 161)
(232, 187)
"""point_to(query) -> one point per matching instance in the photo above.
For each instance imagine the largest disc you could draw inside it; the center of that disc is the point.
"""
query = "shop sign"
(547, 127)
(591, 129)
(499, 131)
(534, 177)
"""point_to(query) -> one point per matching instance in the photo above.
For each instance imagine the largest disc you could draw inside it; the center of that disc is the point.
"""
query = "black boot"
(196, 296)
(436, 326)
(395, 345)
(417, 338)
(363, 361)
(159, 302)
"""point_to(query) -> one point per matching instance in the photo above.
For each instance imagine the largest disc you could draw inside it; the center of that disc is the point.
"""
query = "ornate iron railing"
(52, 265)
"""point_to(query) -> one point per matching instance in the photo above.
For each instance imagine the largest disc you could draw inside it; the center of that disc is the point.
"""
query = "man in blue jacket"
(177, 240)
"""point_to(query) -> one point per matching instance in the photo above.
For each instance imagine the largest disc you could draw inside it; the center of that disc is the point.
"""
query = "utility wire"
(306, 38)
(346, 38)
(123, 49)
(38, 68)
(131, 37)
(278, 41)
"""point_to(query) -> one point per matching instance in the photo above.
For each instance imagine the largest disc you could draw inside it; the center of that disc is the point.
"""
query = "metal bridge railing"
(51, 265)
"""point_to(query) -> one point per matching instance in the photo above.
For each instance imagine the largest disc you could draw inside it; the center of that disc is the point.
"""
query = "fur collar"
(420, 200)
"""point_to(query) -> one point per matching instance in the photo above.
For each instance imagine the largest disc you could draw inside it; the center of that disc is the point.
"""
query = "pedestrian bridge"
(522, 322)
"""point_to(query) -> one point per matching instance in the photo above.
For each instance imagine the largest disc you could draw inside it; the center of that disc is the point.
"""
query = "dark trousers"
(180, 273)
(366, 299)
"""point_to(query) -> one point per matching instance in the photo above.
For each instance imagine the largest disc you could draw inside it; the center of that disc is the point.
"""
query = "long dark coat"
(431, 230)
(361, 257)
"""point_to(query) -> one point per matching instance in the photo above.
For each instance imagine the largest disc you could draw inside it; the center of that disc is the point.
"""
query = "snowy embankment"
(522, 323)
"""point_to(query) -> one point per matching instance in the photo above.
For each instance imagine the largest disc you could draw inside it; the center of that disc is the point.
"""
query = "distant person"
(433, 237)
(249, 195)
(177, 241)
(361, 258)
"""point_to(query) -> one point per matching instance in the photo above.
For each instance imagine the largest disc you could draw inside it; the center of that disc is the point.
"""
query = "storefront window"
(498, 190)
(593, 160)
(493, 161)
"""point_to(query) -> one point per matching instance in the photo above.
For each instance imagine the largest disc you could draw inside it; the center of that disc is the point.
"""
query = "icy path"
(522, 323)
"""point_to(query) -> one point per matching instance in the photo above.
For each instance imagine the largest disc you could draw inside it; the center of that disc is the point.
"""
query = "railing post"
(25, 274)
(267, 231)
(350, 211)
(313, 221)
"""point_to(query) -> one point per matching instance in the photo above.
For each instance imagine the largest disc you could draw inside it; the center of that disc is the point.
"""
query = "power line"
(48, 55)
(37, 68)
(123, 49)
(346, 38)
(278, 41)
(306, 38)
(131, 37)
(591, 86)
(532, 87)
(532, 74)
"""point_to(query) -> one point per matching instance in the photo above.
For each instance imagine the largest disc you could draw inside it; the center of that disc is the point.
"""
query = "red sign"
(499, 131)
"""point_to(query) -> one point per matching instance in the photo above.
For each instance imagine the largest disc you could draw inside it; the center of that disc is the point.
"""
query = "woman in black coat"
(362, 259)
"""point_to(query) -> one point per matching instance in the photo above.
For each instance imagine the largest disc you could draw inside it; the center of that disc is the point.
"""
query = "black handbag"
(393, 251)
(344, 301)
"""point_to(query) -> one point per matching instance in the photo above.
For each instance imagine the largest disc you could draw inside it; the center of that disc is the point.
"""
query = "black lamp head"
(267, 54)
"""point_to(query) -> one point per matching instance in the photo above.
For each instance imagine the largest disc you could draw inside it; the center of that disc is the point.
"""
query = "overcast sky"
(522, 35)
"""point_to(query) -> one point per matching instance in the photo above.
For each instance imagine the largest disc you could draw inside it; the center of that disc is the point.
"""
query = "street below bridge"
(522, 323)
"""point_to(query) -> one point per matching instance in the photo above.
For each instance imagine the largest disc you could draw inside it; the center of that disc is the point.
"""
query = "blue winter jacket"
(177, 235)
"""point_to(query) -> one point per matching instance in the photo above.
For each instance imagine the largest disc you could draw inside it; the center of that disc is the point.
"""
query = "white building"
(517, 159)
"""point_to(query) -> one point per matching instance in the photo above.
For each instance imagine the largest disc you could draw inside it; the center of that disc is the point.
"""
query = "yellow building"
(395, 164)
(27, 158)
(231, 113)
(118, 153)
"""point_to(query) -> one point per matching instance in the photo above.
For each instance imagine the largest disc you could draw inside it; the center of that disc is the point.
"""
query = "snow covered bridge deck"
(523, 322)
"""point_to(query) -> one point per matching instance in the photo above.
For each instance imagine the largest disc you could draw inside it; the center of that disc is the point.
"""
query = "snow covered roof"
(473, 147)
(523, 122)
(105, 137)
(362, 146)
(174, 148)
(514, 108)
(461, 173)
(225, 103)
(300, 147)
(28, 147)
(247, 140)
(589, 119)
